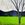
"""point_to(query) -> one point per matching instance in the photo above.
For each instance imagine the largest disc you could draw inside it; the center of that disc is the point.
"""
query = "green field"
(23, 20)
(13, 20)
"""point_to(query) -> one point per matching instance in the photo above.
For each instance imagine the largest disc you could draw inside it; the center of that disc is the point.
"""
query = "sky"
(7, 5)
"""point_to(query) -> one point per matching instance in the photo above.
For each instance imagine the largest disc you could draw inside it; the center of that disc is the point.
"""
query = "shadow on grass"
(8, 16)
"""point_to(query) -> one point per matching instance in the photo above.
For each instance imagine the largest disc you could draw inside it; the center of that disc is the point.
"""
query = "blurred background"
(7, 9)
(10, 10)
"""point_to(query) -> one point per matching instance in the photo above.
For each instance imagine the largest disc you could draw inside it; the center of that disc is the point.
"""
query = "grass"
(23, 20)
(12, 20)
